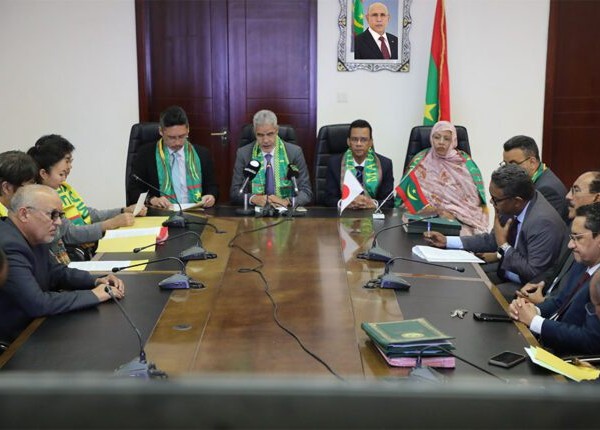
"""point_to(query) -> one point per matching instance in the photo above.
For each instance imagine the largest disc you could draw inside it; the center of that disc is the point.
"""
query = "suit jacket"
(145, 167)
(538, 246)
(577, 331)
(554, 191)
(34, 280)
(295, 156)
(333, 179)
(365, 47)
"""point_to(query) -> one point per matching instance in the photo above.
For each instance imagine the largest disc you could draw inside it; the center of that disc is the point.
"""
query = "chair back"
(419, 140)
(141, 134)
(331, 140)
(286, 133)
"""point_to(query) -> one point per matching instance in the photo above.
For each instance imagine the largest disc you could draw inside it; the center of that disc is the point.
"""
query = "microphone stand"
(246, 210)
(139, 367)
(196, 252)
(177, 281)
(292, 211)
(176, 220)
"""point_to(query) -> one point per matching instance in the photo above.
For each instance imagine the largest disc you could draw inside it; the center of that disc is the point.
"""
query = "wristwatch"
(502, 249)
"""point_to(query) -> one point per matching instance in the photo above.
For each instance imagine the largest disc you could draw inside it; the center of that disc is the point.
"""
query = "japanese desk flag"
(350, 189)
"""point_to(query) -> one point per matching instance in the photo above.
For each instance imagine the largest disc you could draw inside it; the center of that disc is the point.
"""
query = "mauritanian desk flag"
(411, 194)
(437, 97)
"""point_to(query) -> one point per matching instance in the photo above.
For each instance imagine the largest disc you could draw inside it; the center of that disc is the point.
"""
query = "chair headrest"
(332, 139)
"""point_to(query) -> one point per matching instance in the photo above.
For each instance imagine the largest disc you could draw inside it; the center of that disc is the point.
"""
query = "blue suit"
(34, 280)
(577, 331)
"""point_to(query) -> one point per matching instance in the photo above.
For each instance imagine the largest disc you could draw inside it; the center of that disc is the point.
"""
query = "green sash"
(536, 175)
(193, 172)
(73, 205)
(279, 163)
(372, 173)
(409, 190)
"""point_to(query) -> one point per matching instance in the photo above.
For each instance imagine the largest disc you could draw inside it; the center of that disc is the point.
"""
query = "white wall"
(497, 62)
(69, 67)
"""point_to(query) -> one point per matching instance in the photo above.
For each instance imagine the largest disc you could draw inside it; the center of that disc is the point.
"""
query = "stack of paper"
(543, 358)
(449, 227)
(402, 343)
(437, 255)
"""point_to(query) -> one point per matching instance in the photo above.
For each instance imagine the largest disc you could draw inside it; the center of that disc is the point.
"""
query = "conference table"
(284, 297)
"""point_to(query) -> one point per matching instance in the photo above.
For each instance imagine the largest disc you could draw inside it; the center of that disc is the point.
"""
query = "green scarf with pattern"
(279, 163)
(372, 173)
(193, 172)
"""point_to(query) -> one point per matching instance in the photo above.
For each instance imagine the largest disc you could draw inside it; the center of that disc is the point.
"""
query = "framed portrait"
(362, 23)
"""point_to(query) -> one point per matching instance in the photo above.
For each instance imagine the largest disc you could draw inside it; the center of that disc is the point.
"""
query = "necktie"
(384, 49)
(582, 280)
(359, 173)
(178, 178)
(269, 176)
(512, 233)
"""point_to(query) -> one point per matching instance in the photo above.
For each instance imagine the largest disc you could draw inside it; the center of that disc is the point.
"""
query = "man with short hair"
(527, 232)
(37, 285)
(183, 171)
(568, 323)
(585, 190)
(524, 152)
(16, 170)
(373, 170)
(375, 43)
(270, 185)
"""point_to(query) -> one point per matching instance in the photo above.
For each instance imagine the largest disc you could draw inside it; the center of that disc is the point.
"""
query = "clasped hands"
(116, 285)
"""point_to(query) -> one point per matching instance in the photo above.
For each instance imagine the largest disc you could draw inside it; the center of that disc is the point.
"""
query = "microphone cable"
(258, 271)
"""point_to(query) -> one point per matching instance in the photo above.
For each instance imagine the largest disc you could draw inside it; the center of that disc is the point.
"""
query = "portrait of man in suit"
(375, 43)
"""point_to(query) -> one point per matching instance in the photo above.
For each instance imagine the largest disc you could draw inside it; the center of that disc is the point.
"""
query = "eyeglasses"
(355, 139)
(576, 237)
(54, 214)
(516, 163)
(495, 201)
(176, 138)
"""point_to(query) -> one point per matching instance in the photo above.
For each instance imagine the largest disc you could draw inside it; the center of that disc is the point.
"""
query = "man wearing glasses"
(373, 171)
(37, 285)
(523, 151)
(568, 322)
(528, 233)
(182, 171)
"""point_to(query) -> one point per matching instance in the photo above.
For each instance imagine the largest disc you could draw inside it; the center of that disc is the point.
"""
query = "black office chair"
(141, 134)
(419, 140)
(286, 132)
(331, 140)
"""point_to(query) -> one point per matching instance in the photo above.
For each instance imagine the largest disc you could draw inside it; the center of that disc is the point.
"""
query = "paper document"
(112, 234)
(140, 203)
(543, 358)
(106, 266)
(127, 244)
(189, 207)
(146, 221)
(437, 255)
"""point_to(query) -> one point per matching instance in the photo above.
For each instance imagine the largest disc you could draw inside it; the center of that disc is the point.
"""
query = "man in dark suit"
(275, 157)
(374, 171)
(527, 232)
(585, 191)
(36, 285)
(523, 151)
(568, 323)
(374, 43)
(183, 171)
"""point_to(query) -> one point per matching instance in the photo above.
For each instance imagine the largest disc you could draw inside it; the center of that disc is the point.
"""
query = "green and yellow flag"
(437, 96)
(411, 194)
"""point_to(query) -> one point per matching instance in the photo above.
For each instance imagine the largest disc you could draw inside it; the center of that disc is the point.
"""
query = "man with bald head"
(36, 285)
(375, 43)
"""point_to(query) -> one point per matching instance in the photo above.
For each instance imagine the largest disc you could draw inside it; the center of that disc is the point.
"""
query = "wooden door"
(223, 60)
(572, 103)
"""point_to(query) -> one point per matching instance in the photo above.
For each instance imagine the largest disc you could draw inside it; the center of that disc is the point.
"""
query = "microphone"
(139, 367)
(379, 254)
(250, 172)
(292, 175)
(394, 282)
(192, 253)
(175, 220)
(176, 281)
(378, 214)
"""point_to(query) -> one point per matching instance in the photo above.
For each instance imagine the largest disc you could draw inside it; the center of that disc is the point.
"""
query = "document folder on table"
(449, 227)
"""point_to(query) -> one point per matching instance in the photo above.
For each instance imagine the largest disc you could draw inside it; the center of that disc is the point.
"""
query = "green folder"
(449, 227)
(409, 332)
